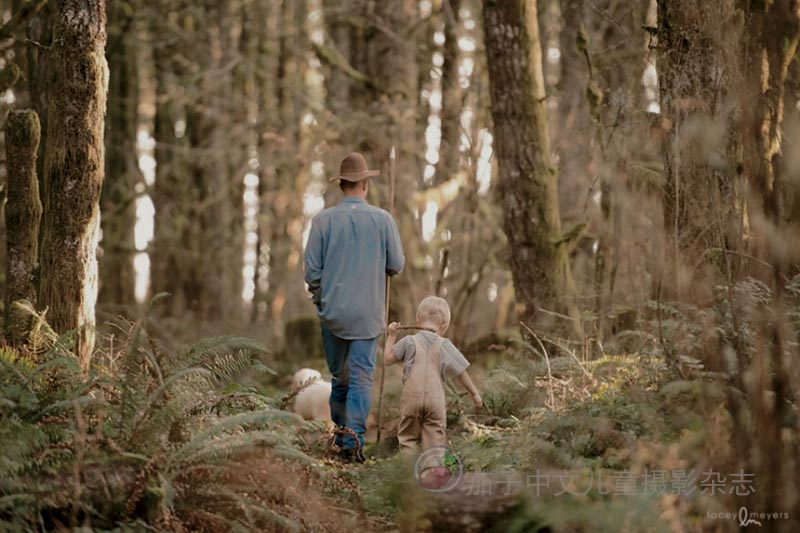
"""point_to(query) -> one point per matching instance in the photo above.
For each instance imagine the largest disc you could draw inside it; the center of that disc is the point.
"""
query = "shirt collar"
(352, 200)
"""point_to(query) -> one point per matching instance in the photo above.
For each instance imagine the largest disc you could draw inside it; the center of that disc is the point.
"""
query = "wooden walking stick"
(392, 168)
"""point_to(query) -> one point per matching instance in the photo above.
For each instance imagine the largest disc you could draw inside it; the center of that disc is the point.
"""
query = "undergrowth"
(148, 440)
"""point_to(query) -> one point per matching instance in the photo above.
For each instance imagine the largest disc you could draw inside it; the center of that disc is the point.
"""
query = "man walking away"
(351, 248)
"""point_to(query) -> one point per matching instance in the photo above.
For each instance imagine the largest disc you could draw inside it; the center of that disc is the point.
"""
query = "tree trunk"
(213, 140)
(690, 64)
(21, 94)
(195, 227)
(73, 170)
(452, 96)
(174, 269)
(573, 135)
(266, 61)
(338, 83)
(773, 34)
(23, 207)
(242, 103)
(612, 100)
(286, 209)
(393, 65)
(117, 275)
(40, 38)
(527, 180)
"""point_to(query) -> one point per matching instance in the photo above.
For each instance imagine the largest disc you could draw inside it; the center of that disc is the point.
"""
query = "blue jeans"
(351, 362)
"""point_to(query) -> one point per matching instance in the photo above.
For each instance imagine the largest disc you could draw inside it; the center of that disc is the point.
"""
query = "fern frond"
(293, 454)
(226, 356)
(160, 411)
(11, 373)
(233, 445)
(67, 405)
(231, 423)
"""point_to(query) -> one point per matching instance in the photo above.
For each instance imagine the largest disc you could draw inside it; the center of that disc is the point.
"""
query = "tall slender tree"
(286, 213)
(769, 49)
(34, 63)
(690, 61)
(393, 66)
(265, 62)
(23, 207)
(117, 276)
(572, 139)
(452, 95)
(527, 187)
(173, 270)
(73, 169)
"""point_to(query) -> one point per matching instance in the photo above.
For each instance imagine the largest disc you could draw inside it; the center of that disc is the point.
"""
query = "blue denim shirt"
(351, 248)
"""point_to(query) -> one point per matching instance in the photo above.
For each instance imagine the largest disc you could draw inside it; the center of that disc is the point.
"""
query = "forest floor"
(618, 443)
(615, 444)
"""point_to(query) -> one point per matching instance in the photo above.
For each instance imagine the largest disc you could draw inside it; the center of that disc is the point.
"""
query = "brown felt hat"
(354, 168)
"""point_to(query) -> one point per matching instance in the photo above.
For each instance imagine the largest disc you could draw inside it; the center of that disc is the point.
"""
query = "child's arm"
(389, 357)
(467, 383)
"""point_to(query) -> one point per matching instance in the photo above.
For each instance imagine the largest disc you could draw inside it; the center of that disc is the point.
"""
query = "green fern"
(227, 356)
(152, 418)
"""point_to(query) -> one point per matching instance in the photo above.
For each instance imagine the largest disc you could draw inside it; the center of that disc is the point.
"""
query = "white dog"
(313, 401)
(303, 375)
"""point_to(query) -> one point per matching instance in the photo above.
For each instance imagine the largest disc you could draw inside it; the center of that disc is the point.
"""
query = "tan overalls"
(423, 410)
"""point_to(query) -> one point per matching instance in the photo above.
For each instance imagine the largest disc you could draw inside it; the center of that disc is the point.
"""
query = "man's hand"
(392, 329)
(477, 400)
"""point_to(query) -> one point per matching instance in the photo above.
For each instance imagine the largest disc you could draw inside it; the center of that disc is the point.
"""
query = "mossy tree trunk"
(23, 207)
(117, 275)
(73, 170)
(527, 178)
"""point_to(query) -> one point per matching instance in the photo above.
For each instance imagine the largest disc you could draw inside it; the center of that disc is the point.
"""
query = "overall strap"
(435, 351)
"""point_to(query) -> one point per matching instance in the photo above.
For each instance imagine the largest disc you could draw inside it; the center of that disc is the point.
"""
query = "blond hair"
(434, 310)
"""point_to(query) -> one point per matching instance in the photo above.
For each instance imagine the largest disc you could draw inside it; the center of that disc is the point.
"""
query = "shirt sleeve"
(402, 347)
(395, 259)
(454, 360)
(313, 262)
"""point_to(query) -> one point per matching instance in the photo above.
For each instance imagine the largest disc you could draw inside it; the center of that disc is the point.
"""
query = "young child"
(427, 355)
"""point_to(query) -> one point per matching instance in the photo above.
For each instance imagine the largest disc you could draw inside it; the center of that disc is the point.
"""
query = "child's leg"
(408, 432)
(434, 427)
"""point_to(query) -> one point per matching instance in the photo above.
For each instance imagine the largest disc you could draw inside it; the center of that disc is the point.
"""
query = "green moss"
(22, 127)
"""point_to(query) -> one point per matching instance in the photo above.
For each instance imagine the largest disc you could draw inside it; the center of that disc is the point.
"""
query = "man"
(351, 248)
